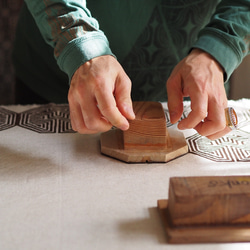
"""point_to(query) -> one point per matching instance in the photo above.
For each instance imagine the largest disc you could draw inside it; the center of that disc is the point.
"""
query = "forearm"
(227, 36)
(70, 29)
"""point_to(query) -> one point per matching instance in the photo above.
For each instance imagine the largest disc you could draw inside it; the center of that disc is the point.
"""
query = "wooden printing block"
(207, 209)
(147, 139)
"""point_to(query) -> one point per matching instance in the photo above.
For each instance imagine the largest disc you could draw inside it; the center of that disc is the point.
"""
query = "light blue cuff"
(81, 50)
(222, 49)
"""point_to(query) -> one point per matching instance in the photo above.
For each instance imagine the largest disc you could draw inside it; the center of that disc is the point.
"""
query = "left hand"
(200, 77)
(99, 96)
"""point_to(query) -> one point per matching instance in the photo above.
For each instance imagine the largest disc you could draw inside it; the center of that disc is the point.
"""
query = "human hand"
(99, 96)
(200, 77)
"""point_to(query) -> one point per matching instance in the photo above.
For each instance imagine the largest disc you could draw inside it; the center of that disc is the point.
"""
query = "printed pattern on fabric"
(232, 147)
(49, 118)
(8, 119)
(55, 118)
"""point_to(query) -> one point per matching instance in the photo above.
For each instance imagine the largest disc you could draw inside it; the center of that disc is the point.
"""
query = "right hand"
(200, 77)
(99, 96)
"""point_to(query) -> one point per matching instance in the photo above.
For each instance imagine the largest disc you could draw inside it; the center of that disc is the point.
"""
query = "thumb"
(175, 98)
(123, 96)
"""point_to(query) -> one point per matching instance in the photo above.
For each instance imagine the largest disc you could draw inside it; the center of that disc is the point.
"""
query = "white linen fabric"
(57, 191)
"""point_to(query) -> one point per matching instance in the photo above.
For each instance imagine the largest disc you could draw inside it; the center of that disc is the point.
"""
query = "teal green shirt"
(148, 37)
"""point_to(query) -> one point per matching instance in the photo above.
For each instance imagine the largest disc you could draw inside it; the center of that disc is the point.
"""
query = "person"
(161, 50)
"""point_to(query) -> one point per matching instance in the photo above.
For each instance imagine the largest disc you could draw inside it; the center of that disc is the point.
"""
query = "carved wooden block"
(207, 209)
(148, 130)
(147, 139)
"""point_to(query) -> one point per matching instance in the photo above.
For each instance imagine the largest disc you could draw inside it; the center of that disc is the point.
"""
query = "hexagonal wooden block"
(147, 139)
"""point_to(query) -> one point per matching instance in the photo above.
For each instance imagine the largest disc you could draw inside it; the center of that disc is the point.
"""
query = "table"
(57, 191)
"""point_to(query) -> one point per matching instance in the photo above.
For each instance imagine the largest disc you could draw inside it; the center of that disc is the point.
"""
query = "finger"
(108, 108)
(175, 98)
(199, 111)
(72, 120)
(77, 119)
(123, 98)
(75, 115)
(215, 121)
(78, 123)
(218, 135)
(92, 116)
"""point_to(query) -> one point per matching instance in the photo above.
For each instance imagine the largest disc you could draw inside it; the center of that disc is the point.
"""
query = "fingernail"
(124, 126)
(130, 112)
(180, 126)
(173, 117)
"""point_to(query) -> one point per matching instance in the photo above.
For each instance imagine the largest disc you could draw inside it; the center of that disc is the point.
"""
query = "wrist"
(207, 56)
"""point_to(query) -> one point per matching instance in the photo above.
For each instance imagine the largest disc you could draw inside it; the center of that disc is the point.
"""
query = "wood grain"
(202, 234)
(147, 139)
(209, 200)
(148, 129)
(207, 209)
(112, 145)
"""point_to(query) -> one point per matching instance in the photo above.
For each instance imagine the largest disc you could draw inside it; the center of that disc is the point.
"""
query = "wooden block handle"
(209, 200)
(148, 129)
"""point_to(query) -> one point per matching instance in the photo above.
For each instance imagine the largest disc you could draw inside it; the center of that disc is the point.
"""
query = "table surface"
(57, 191)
